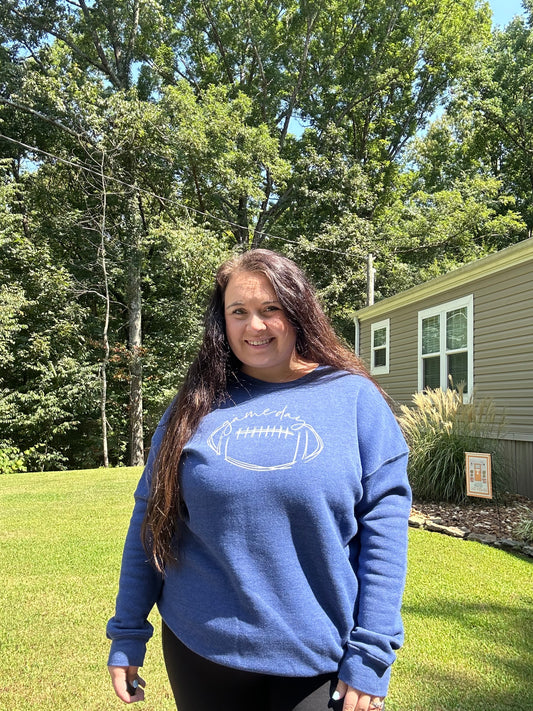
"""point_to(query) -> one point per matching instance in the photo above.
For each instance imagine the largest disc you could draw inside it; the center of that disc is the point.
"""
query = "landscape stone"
(482, 538)
(418, 520)
(508, 543)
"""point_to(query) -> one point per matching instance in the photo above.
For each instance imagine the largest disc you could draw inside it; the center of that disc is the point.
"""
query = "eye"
(272, 308)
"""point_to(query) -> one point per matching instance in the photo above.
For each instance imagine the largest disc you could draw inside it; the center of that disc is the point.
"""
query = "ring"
(376, 704)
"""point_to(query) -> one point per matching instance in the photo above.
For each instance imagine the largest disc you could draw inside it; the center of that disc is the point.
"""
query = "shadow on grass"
(491, 667)
(444, 690)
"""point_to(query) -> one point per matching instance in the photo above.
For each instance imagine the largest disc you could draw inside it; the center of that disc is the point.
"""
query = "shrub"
(524, 528)
(11, 458)
(440, 428)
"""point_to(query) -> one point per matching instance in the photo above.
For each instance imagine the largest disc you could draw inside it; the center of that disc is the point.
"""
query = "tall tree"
(220, 124)
(96, 132)
(374, 71)
(498, 94)
(47, 382)
(90, 38)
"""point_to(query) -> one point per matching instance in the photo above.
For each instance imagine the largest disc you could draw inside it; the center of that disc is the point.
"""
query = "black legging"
(201, 685)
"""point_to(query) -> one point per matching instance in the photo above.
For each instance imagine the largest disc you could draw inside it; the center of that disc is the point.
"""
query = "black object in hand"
(132, 688)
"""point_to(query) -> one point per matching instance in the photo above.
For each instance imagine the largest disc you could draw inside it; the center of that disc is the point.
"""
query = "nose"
(257, 323)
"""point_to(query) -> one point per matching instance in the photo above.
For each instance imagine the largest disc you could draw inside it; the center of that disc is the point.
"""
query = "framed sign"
(478, 475)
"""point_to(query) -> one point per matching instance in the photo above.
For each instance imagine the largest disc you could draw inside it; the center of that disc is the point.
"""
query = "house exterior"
(475, 324)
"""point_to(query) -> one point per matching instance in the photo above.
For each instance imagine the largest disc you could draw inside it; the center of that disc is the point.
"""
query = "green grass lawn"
(468, 608)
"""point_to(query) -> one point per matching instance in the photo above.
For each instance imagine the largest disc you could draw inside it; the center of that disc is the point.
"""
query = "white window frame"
(380, 369)
(441, 310)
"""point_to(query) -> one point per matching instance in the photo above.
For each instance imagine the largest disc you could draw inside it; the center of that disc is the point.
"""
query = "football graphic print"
(266, 441)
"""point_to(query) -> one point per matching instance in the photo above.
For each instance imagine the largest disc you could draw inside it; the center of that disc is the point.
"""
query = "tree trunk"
(135, 344)
(103, 403)
(105, 329)
(105, 360)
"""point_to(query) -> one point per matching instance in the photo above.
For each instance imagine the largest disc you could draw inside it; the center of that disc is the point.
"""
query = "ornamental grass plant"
(523, 530)
(440, 427)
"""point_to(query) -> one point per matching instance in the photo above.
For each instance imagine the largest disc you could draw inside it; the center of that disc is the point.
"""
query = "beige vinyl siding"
(502, 289)
(503, 346)
(520, 457)
(401, 380)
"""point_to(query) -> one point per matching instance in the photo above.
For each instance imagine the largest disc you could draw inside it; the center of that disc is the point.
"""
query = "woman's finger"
(355, 700)
(340, 691)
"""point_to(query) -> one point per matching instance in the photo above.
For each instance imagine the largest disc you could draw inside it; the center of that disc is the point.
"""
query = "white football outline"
(220, 439)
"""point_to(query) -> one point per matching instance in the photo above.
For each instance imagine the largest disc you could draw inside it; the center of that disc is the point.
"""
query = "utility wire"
(173, 201)
(266, 235)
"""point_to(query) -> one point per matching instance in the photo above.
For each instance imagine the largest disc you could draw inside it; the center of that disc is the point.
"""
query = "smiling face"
(258, 330)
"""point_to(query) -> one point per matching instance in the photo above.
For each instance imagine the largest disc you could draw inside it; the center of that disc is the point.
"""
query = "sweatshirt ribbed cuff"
(126, 653)
(364, 673)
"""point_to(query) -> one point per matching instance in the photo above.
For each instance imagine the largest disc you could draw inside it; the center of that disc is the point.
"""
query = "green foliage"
(440, 230)
(524, 528)
(440, 427)
(496, 111)
(335, 260)
(176, 289)
(11, 458)
(450, 209)
(12, 301)
(47, 385)
(170, 133)
(219, 155)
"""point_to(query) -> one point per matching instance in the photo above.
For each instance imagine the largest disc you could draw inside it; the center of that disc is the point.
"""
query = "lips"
(258, 343)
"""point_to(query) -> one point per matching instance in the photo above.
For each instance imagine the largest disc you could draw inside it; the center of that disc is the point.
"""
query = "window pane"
(432, 372)
(380, 357)
(456, 330)
(458, 369)
(380, 336)
(431, 334)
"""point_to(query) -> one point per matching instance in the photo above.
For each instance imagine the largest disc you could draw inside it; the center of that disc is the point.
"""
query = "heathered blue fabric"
(293, 555)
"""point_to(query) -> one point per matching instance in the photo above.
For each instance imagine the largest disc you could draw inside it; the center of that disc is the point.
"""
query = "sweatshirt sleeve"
(139, 582)
(382, 515)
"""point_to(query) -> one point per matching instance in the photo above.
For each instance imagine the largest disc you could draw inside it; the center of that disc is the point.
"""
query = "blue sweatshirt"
(293, 552)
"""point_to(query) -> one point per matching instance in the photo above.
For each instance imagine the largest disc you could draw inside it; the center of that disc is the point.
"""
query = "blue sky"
(503, 11)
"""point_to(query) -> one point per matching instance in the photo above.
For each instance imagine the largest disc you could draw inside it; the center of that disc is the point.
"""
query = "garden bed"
(483, 520)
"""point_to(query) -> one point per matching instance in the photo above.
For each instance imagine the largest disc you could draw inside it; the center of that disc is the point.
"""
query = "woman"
(273, 509)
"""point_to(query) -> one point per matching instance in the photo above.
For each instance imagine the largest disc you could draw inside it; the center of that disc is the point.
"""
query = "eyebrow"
(241, 303)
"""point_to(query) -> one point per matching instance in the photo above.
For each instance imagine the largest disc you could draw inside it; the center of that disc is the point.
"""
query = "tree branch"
(98, 46)
(218, 42)
(44, 117)
(303, 67)
(40, 25)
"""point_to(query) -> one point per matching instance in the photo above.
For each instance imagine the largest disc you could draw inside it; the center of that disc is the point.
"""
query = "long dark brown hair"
(209, 375)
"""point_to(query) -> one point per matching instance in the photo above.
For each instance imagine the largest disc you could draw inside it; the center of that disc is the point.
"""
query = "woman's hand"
(126, 680)
(355, 700)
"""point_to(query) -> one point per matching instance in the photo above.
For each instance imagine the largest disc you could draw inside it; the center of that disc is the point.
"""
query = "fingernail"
(336, 696)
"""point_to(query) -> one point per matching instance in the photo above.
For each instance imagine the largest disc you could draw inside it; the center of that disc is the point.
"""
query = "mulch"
(498, 518)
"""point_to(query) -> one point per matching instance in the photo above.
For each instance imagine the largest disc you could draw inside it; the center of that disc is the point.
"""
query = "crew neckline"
(244, 378)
